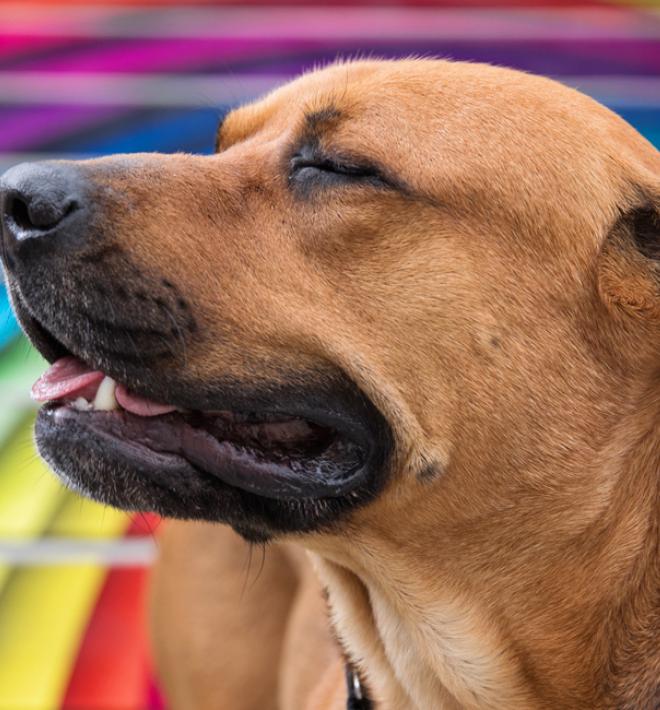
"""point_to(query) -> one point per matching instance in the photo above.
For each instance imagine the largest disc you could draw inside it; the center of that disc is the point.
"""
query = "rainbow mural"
(79, 80)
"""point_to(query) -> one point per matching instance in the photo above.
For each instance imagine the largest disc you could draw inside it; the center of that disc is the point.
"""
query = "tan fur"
(501, 318)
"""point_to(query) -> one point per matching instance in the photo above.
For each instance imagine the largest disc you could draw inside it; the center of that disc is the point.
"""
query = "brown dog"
(408, 317)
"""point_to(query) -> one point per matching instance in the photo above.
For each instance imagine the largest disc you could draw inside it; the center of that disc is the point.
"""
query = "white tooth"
(105, 396)
(82, 405)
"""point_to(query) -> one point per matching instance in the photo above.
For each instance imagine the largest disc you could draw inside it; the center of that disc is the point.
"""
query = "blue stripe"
(645, 120)
(164, 130)
(8, 326)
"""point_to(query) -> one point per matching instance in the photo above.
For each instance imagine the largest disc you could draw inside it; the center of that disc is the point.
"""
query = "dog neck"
(507, 615)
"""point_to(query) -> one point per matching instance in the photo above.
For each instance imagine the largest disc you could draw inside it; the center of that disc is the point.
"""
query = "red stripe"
(144, 524)
(112, 669)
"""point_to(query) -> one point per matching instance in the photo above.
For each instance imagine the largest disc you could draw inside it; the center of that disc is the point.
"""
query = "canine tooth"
(82, 405)
(105, 400)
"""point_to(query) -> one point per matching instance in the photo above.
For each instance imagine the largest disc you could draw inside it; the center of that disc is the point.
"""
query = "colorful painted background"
(80, 79)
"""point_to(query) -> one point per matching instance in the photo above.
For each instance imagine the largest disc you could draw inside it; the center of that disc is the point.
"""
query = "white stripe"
(137, 551)
(382, 23)
(162, 91)
(107, 89)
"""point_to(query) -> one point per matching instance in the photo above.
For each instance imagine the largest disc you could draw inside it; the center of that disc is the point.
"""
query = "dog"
(404, 327)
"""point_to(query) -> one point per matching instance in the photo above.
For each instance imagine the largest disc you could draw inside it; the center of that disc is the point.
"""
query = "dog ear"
(629, 262)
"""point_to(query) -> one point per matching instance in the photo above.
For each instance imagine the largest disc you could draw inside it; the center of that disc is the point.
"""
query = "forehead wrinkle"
(319, 117)
(318, 121)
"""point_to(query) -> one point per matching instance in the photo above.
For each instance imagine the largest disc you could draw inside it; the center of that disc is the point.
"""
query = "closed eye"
(329, 165)
(309, 167)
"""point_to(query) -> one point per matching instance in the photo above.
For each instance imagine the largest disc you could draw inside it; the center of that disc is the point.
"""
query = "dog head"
(395, 288)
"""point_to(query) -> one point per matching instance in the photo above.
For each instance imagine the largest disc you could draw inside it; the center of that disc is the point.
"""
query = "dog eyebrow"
(317, 120)
(314, 123)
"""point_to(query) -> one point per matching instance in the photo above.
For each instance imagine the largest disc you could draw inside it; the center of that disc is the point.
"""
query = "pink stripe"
(11, 44)
(145, 55)
(360, 3)
(391, 21)
(155, 698)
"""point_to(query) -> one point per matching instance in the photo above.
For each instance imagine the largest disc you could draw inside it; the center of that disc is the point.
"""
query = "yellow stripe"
(29, 494)
(84, 518)
(44, 612)
(43, 615)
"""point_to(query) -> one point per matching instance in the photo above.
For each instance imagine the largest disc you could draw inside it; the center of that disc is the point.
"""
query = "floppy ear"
(629, 263)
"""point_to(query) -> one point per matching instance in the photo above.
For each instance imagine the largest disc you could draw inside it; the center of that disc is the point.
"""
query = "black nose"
(40, 205)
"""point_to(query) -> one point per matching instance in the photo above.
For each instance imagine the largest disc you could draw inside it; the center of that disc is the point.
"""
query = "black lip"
(132, 477)
(337, 468)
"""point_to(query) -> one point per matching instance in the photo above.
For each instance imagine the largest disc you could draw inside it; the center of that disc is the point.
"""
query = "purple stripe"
(597, 57)
(23, 129)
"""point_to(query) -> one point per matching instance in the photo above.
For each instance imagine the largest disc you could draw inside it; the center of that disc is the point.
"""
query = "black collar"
(357, 695)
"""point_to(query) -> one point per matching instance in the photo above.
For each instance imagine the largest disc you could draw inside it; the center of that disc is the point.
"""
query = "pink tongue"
(67, 377)
(140, 405)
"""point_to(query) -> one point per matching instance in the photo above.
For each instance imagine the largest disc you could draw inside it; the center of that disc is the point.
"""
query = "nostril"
(43, 208)
(18, 210)
(37, 215)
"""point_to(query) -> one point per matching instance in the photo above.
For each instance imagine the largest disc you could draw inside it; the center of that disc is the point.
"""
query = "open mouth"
(287, 452)
(271, 454)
